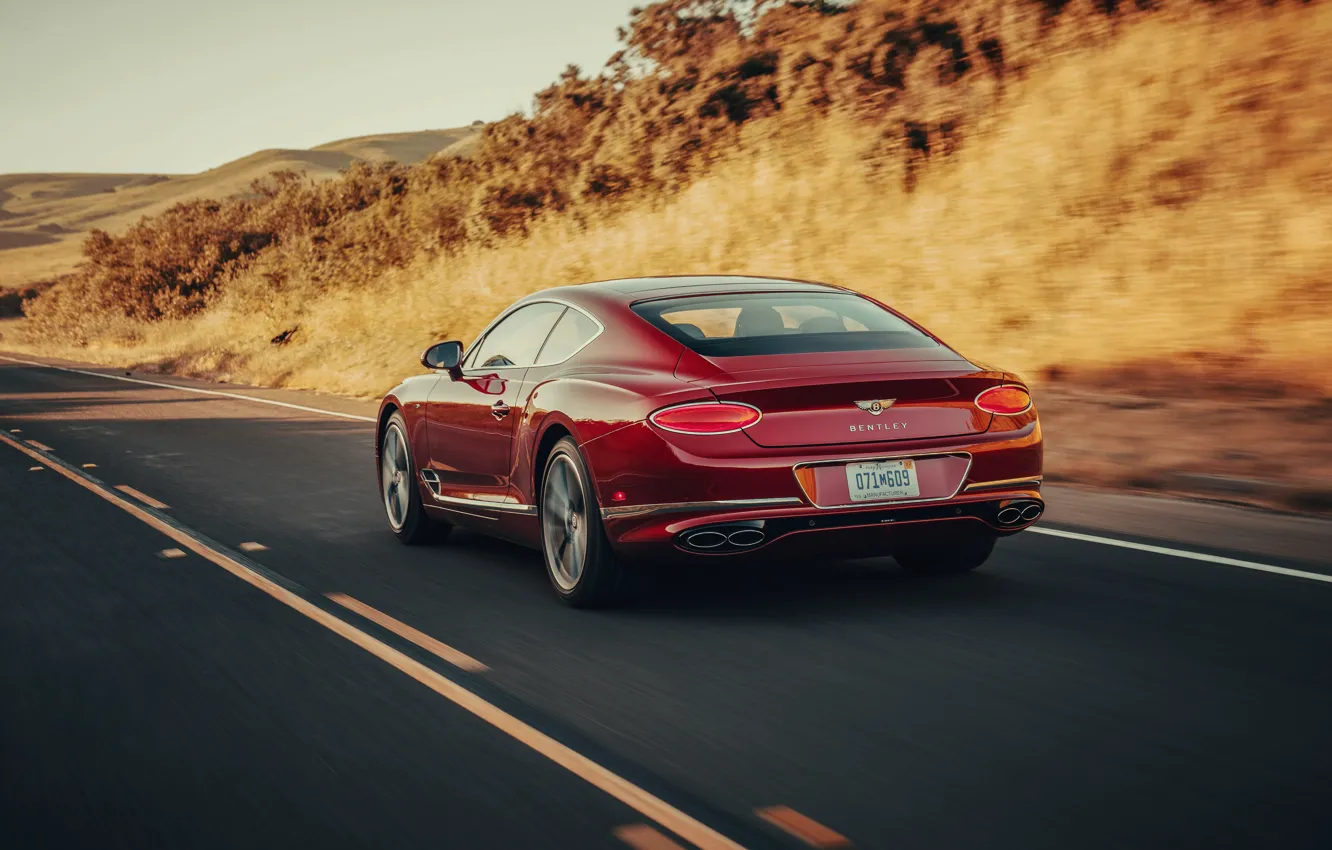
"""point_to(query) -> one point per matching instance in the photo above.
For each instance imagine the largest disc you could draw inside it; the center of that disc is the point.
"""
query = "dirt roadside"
(1272, 453)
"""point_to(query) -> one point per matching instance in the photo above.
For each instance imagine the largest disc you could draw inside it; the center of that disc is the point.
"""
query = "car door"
(470, 420)
(572, 333)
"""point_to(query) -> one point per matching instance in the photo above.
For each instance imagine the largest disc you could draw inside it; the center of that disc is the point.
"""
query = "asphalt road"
(1070, 695)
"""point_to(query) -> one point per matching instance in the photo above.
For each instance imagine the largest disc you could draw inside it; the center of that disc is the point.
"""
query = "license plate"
(882, 479)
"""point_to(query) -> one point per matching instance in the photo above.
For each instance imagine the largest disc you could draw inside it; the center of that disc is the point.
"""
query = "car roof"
(630, 289)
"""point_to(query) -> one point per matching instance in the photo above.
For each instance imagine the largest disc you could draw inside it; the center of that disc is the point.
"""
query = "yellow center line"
(458, 659)
(648, 805)
(806, 829)
(640, 836)
(43, 446)
(142, 497)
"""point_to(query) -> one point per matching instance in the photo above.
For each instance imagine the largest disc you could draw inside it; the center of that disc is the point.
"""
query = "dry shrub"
(1047, 184)
(12, 300)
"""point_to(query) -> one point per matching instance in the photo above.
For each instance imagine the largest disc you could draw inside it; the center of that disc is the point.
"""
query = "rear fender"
(588, 410)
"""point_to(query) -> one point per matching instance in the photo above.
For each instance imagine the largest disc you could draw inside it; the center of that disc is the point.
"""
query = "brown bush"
(12, 300)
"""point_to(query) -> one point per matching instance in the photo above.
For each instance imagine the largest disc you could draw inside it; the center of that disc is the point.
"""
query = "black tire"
(944, 553)
(567, 491)
(399, 491)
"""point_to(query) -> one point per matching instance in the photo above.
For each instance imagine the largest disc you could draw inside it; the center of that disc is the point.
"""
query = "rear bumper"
(718, 532)
(671, 495)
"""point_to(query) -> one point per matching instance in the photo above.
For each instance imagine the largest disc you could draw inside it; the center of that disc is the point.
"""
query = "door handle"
(499, 410)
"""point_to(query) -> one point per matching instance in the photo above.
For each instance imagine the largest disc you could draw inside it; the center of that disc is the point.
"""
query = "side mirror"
(444, 355)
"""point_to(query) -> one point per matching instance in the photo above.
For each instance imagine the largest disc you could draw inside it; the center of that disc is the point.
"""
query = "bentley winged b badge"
(874, 408)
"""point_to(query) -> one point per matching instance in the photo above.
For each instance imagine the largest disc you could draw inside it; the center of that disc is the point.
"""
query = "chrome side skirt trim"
(621, 511)
(1005, 484)
(483, 504)
(449, 510)
(492, 503)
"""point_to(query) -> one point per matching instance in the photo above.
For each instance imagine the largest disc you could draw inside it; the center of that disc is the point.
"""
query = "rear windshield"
(780, 323)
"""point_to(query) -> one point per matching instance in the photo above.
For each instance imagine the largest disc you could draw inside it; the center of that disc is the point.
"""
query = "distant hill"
(44, 217)
(400, 147)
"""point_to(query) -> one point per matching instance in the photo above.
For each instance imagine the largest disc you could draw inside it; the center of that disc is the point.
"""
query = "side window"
(571, 333)
(516, 340)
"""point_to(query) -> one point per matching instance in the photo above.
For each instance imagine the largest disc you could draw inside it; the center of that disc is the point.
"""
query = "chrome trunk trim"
(1005, 484)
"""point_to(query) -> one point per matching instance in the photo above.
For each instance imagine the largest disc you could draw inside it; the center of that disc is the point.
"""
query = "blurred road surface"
(1070, 694)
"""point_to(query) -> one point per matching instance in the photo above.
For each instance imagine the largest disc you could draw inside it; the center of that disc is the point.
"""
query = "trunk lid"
(852, 397)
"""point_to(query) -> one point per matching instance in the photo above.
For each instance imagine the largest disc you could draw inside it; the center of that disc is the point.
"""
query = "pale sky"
(179, 86)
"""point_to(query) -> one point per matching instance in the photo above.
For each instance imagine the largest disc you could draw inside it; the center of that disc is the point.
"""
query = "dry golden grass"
(21, 266)
(1167, 195)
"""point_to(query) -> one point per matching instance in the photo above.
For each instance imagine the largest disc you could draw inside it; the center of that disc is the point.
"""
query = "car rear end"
(825, 424)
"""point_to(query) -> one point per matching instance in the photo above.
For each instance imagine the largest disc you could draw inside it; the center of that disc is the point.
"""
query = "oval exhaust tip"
(1010, 515)
(706, 539)
(1031, 512)
(746, 537)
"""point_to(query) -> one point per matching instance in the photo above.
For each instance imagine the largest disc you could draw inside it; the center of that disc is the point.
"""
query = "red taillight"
(1004, 401)
(706, 418)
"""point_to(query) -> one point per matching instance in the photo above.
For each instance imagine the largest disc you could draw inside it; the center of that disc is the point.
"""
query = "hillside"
(1129, 204)
(400, 147)
(1067, 188)
(44, 218)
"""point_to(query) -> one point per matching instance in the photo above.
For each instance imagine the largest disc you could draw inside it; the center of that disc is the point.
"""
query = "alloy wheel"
(395, 474)
(564, 522)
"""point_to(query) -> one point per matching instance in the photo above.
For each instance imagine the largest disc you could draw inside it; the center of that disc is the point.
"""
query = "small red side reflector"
(1004, 401)
(618, 496)
(706, 417)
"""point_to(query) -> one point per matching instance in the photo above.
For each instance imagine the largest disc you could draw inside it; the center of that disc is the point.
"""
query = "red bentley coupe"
(710, 418)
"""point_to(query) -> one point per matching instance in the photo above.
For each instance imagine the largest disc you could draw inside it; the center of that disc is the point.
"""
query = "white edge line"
(1183, 553)
(198, 390)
